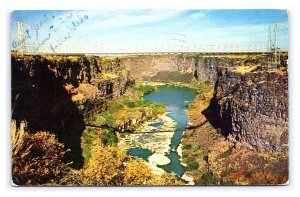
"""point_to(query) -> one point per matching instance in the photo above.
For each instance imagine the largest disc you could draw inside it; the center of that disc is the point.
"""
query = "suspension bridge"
(22, 47)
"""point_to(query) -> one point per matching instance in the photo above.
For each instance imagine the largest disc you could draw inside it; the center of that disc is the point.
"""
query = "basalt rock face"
(57, 93)
(252, 109)
(145, 67)
(202, 68)
(108, 77)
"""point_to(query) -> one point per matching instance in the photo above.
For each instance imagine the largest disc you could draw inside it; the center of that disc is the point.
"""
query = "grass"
(88, 136)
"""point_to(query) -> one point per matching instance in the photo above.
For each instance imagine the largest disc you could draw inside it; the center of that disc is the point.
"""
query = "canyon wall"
(57, 94)
(54, 91)
(202, 67)
(145, 67)
(61, 78)
(252, 109)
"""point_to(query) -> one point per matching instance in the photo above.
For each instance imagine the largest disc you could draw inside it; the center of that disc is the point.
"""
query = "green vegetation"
(125, 109)
(184, 155)
(122, 135)
(203, 88)
(121, 112)
(109, 138)
(145, 89)
(86, 152)
(192, 164)
(187, 146)
(206, 179)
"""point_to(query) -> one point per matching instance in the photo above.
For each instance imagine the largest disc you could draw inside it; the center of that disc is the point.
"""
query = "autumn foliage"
(38, 160)
(111, 166)
(104, 167)
(241, 166)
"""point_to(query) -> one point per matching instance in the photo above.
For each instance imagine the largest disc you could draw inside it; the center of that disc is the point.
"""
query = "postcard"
(149, 97)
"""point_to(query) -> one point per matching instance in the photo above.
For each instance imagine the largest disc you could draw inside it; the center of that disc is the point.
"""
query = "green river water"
(176, 99)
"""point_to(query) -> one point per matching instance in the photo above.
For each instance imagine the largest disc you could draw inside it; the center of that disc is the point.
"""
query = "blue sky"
(110, 28)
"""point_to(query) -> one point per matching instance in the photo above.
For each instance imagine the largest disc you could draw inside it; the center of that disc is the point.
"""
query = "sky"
(103, 29)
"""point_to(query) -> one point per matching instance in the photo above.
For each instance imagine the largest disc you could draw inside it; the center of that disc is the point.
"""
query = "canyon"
(62, 94)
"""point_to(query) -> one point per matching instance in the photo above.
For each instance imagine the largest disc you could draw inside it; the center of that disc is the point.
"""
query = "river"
(176, 99)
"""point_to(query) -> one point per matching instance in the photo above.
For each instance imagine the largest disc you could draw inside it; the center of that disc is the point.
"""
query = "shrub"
(39, 160)
(136, 172)
(109, 138)
(112, 166)
(184, 155)
(122, 135)
(187, 146)
(192, 164)
(207, 82)
(104, 167)
(206, 179)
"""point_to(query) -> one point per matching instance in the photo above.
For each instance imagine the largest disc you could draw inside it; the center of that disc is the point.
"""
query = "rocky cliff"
(85, 80)
(202, 67)
(57, 94)
(143, 68)
(252, 108)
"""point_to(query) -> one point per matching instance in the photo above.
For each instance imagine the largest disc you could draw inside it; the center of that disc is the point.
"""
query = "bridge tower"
(273, 40)
(21, 38)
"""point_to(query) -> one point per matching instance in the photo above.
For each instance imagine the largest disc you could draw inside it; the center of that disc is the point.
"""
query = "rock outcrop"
(57, 94)
(202, 67)
(145, 67)
(252, 109)
(102, 77)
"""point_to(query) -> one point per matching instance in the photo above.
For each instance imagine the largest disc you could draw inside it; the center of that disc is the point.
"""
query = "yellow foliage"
(109, 76)
(244, 69)
(105, 166)
(126, 114)
(111, 166)
(167, 179)
(137, 173)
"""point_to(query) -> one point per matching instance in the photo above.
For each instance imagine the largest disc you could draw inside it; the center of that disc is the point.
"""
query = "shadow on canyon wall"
(39, 98)
(219, 118)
